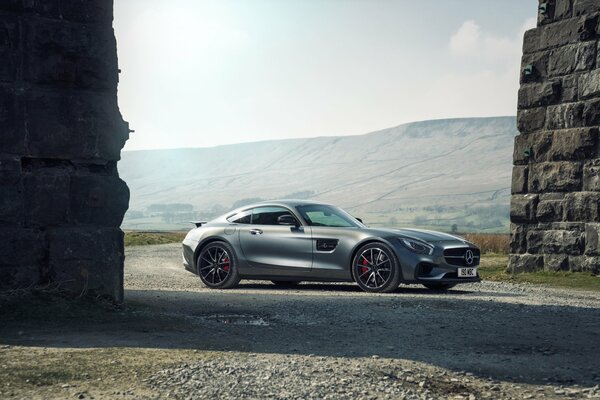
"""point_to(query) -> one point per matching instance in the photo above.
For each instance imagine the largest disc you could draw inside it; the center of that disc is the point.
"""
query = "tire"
(439, 286)
(376, 269)
(286, 284)
(217, 266)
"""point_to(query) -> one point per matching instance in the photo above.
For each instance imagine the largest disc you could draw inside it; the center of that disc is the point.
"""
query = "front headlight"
(417, 246)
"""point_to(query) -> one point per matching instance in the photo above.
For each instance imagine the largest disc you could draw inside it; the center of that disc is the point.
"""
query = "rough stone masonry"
(61, 133)
(555, 206)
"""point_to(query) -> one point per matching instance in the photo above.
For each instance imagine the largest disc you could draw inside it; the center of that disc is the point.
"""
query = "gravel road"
(487, 340)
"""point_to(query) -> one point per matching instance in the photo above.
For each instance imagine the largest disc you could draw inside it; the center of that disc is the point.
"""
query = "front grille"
(457, 257)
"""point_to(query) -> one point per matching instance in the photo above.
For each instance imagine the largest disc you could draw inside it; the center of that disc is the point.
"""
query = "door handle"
(255, 232)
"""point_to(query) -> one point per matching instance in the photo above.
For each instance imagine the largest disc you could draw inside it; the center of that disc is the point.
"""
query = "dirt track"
(485, 340)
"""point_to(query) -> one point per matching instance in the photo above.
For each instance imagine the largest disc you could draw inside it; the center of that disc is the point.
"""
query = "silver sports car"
(289, 241)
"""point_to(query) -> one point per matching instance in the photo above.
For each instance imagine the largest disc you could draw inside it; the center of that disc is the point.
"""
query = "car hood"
(421, 234)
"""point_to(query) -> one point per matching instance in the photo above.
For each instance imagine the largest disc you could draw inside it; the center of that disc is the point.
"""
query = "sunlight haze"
(205, 73)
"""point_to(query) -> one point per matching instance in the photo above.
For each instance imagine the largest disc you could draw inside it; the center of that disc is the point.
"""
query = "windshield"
(324, 215)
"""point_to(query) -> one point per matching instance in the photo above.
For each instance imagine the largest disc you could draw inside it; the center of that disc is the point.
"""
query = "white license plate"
(467, 272)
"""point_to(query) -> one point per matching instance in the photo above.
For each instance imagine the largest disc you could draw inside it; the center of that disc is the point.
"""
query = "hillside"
(432, 173)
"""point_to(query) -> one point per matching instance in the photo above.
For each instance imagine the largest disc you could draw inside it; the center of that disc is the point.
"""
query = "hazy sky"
(199, 73)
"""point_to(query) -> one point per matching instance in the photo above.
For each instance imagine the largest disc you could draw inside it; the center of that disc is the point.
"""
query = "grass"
(493, 268)
(494, 243)
(140, 238)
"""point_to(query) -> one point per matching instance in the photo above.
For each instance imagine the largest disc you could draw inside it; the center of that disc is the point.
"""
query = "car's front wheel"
(376, 268)
(217, 266)
(439, 286)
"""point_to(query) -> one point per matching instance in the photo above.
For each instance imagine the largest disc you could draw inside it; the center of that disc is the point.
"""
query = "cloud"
(482, 78)
(466, 39)
(470, 42)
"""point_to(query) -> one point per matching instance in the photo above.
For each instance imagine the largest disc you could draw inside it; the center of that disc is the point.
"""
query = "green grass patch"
(140, 238)
(493, 267)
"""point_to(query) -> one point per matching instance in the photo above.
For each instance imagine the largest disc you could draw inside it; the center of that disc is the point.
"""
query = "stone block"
(519, 179)
(581, 7)
(75, 126)
(535, 241)
(591, 175)
(582, 206)
(572, 58)
(577, 263)
(563, 145)
(571, 145)
(46, 197)
(522, 208)
(570, 89)
(20, 246)
(589, 84)
(549, 210)
(12, 127)
(588, 27)
(88, 260)
(563, 242)
(592, 239)
(592, 264)
(9, 48)
(98, 200)
(555, 177)
(539, 67)
(539, 94)
(16, 277)
(88, 10)
(565, 116)
(518, 238)
(525, 263)
(560, 33)
(556, 262)
(533, 147)
(70, 55)
(591, 113)
(563, 9)
(532, 120)
(531, 40)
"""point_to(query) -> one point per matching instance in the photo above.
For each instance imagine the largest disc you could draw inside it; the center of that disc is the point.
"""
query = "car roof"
(282, 202)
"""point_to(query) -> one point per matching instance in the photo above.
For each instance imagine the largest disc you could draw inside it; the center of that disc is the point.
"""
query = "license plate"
(467, 272)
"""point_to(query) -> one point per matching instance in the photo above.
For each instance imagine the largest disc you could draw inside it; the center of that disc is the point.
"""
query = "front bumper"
(435, 268)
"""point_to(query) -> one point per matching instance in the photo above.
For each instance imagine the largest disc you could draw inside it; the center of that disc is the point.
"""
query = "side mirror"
(287, 219)
(359, 220)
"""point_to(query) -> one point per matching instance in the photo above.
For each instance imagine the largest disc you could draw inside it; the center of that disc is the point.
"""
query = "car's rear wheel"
(439, 286)
(217, 266)
(376, 269)
(286, 284)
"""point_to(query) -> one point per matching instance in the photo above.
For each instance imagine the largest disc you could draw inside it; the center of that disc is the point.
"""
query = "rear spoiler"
(198, 223)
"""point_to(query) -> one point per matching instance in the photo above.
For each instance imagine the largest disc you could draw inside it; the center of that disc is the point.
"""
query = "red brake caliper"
(364, 268)
(226, 265)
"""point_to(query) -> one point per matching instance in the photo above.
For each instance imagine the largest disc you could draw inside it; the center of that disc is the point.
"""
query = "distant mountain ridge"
(410, 173)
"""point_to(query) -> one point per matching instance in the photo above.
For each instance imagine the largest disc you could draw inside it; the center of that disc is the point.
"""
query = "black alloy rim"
(214, 265)
(373, 268)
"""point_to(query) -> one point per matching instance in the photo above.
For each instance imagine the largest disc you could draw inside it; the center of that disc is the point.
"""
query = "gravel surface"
(487, 340)
(176, 339)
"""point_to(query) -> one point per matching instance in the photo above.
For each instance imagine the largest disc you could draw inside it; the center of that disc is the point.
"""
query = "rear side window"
(241, 217)
(268, 215)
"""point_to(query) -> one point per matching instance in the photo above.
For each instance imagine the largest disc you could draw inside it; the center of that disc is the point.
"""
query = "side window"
(241, 218)
(268, 215)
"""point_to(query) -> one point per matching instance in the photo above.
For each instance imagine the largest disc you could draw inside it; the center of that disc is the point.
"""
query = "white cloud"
(466, 39)
(484, 77)
(470, 42)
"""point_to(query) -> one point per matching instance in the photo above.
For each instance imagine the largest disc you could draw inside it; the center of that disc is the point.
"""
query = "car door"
(275, 249)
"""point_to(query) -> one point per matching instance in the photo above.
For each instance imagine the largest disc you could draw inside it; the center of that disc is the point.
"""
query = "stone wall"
(61, 133)
(555, 207)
